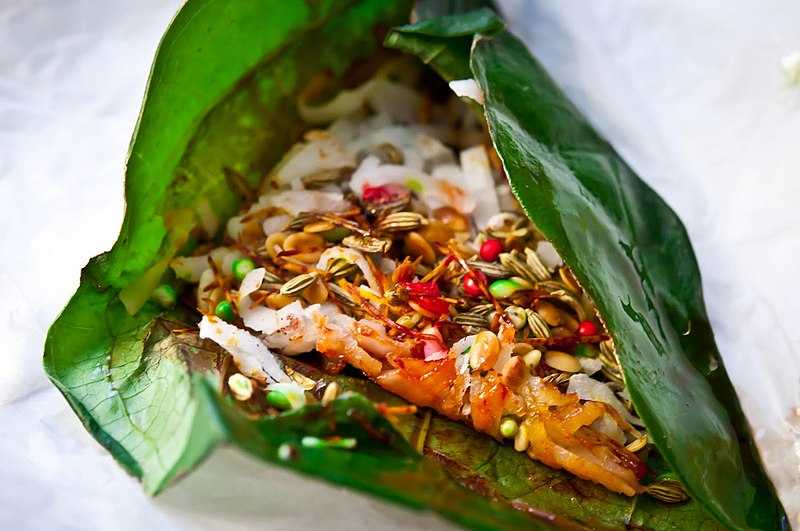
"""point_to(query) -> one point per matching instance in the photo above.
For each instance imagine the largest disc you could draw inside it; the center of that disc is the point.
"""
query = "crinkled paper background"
(691, 93)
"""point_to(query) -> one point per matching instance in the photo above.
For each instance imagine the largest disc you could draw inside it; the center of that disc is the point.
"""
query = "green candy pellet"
(336, 234)
(278, 400)
(508, 428)
(347, 443)
(504, 288)
(585, 351)
(224, 311)
(165, 296)
(241, 267)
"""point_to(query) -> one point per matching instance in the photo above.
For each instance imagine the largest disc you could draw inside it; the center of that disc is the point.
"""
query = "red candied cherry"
(435, 305)
(490, 250)
(383, 193)
(587, 328)
(471, 283)
(421, 289)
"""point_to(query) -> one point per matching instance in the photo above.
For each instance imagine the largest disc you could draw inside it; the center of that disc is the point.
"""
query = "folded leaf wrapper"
(221, 108)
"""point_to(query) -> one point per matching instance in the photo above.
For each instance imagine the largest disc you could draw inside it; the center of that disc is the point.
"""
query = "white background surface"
(689, 92)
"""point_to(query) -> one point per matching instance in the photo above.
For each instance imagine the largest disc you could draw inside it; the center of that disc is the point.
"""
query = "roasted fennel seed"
(298, 284)
(400, 222)
(472, 319)
(667, 491)
(490, 269)
(537, 325)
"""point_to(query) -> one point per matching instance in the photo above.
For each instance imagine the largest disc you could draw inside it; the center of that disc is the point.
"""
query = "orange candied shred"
(378, 344)
(338, 345)
(553, 446)
(424, 383)
(488, 398)
(574, 416)
(454, 401)
(560, 437)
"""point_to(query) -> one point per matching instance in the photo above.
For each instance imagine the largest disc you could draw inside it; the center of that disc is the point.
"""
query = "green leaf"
(220, 109)
(127, 379)
(427, 9)
(444, 42)
(482, 20)
(632, 254)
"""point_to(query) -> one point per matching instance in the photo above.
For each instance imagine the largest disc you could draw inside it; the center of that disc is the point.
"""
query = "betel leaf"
(444, 42)
(631, 253)
(430, 9)
(219, 111)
